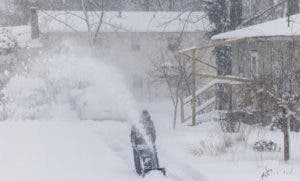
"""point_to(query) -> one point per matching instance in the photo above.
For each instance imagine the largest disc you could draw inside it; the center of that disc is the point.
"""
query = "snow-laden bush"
(7, 41)
(264, 145)
(68, 87)
(218, 142)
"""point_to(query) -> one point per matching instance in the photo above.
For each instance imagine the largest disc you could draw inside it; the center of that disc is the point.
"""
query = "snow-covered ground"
(206, 153)
(60, 124)
(93, 150)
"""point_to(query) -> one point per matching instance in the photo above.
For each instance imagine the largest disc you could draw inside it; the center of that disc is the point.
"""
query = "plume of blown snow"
(69, 87)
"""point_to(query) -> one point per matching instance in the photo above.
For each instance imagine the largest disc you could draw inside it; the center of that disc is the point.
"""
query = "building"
(266, 51)
(263, 47)
(133, 41)
(264, 80)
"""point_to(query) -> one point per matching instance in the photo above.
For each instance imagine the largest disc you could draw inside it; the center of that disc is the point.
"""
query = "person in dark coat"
(137, 138)
(148, 126)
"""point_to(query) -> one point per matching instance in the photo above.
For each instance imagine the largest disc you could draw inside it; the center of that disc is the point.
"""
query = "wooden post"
(181, 92)
(230, 118)
(193, 87)
(230, 98)
(217, 100)
(35, 32)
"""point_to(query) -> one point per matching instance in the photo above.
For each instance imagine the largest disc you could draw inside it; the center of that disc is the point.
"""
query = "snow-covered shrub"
(220, 142)
(243, 134)
(27, 97)
(7, 41)
(277, 123)
(214, 147)
(264, 145)
(266, 173)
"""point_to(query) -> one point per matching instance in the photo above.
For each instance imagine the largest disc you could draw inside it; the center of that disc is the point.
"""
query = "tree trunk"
(273, 11)
(171, 5)
(223, 61)
(293, 7)
(286, 140)
(35, 33)
(147, 5)
(236, 13)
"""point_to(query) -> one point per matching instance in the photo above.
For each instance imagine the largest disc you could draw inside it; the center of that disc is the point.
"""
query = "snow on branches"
(7, 41)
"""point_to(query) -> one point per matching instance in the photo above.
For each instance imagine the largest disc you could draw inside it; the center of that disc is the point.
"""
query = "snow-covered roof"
(70, 21)
(278, 27)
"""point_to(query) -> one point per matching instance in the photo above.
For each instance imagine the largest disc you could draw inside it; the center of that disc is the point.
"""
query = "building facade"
(269, 56)
(136, 42)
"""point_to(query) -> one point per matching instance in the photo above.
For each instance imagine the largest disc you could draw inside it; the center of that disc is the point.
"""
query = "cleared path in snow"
(67, 151)
(36, 151)
(58, 151)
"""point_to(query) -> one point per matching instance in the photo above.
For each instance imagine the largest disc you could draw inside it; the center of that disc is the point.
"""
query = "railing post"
(35, 32)
(194, 87)
(230, 98)
(181, 88)
(216, 95)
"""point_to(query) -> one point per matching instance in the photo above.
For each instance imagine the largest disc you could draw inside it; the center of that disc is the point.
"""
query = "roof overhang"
(282, 27)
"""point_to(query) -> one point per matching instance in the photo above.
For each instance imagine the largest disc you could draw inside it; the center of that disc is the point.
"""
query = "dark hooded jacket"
(147, 124)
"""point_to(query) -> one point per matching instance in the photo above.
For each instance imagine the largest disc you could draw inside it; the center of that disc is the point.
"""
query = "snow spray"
(69, 85)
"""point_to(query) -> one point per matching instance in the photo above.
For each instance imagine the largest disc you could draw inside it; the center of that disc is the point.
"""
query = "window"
(174, 43)
(135, 44)
(254, 64)
(241, 62)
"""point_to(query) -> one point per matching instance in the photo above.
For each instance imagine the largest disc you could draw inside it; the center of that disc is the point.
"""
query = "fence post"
(35, 32)
(194, 87)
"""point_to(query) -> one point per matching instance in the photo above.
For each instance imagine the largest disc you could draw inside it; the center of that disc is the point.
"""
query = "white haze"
(69, 86)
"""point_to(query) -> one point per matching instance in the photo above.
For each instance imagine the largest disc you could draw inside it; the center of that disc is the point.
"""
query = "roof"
(275, 28)
(70, 21)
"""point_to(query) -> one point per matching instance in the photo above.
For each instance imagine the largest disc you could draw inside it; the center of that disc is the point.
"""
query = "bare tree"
(93, 32)
(293, 7)
(280, 88)
(166, 72)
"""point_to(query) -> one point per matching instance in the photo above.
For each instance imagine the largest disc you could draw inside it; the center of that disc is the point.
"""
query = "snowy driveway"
(36, 151)
(67, 151)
